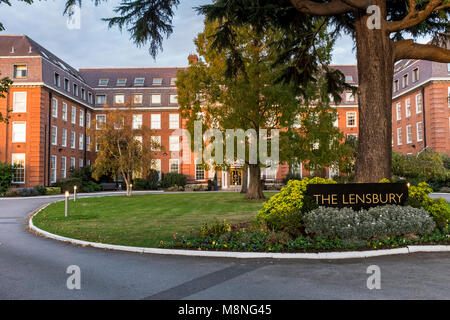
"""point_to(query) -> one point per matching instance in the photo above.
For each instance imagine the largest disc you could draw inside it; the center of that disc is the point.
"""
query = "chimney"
(192, 58)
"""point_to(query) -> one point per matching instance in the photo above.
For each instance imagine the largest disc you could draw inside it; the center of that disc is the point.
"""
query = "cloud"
(94, 45)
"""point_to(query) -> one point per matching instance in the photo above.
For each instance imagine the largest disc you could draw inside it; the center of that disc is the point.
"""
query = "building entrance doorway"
(236, 177)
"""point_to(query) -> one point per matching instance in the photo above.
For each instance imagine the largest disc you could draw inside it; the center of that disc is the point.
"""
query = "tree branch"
(360, 4)
(323, 9)
(415, 17)
(407, 49)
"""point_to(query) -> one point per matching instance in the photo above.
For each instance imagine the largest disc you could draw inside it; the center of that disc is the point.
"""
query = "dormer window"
(348, 79)
(75, 89)
(139, 81)
(173, 81)
(416, 75)
(57, 81)
(20, 71)
(66, 85)
(103, 82)
(121, 82)
(405, 80)
(157, 81)
(396, 86)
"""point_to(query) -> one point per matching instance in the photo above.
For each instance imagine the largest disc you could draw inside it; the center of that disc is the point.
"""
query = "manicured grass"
(144, 220)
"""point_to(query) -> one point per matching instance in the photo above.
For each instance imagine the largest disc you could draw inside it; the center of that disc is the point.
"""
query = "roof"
(93, 75)
(348, 70)
(23, 46)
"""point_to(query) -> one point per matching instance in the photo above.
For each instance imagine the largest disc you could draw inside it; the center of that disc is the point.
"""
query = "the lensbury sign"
(358, 195)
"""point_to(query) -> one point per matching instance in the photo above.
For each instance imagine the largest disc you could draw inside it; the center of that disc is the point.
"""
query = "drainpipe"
(49, 137)
(7, 127)
(424, 123)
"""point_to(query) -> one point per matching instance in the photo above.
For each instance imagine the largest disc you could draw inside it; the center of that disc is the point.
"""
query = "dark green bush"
(172, 179)
(41, 189)
(68, 184)
(140, 184)
(291, 176)
(152, 179)
(6, 176)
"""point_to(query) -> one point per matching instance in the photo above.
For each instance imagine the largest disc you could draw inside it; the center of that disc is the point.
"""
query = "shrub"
(216, 229)
(375, 223)
(419, 198)
(283, 212)
(172, 179)
(152, 179)
(52, 190)
(140, 184)
(41, 189)
(27, 192)
(6, 177)
(68, 184)
(291, 176)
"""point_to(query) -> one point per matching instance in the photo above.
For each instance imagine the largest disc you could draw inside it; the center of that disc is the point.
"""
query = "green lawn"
(144, 220)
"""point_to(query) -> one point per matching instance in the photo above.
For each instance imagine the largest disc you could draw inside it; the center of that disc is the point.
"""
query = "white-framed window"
(408, 134)
(396, 87)
(64, 137)
(351, 119)
(199, 171)
(100, 121)
(399, 136)
(75, 89)
(399, 111)
(405, 80)
(20, 102)
(138, 99)
(174, 143)
(174, 121)
(119, 99)
(57, 80)
(419, 130)
(81, 118)
(350, 97)
(100, 99)
(155, 121)
(83, 94)
(103, 82)
(63, 167)
(139, 82)
(73, 140)
(348, 79)
(156, 99)
(416, 75)
(157, 81)
(174, 165)
(419, 103)
(173, 81)
(88, 120)
(66, 84)
(54, 108)
(74, 115)
(88, 143)
(19, 132)
(18, 160)
(121, 82)
(54, 135)
(81, 141)
(64, 111)
(156, 143)
(408, 108)
(173, 99)
(72, 163)
(351, 136)
(90, 98)
(156, 165)
(53, 169)
(20, 71)
(137, 121)
(80, 163)
(88, 163)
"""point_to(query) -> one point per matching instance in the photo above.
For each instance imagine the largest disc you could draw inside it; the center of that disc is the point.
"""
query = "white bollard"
(67, 204)
(75, 194)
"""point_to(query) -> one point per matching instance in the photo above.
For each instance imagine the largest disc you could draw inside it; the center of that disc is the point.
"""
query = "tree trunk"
(244, 188)
(375, 55)
(255, 191)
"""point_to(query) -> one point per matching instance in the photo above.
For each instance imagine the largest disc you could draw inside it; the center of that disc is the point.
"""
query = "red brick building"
(53, 105)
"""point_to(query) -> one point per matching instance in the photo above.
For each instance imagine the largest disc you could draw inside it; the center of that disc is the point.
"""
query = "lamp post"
(75, 194)
(67, 204)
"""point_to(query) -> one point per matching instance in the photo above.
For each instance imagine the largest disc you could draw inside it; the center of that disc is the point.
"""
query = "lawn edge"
(237, 255)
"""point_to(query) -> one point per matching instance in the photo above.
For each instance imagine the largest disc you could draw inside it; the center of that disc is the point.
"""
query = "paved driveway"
(35, 268)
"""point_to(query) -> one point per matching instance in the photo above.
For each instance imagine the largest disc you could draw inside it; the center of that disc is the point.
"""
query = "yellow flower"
(225, 246)
(214, 243)
(389, 238)
(375, 247)
(379, 243)
(446, 227)
(270, 249)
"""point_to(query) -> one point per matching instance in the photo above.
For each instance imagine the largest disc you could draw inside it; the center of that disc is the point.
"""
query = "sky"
(95, 45)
